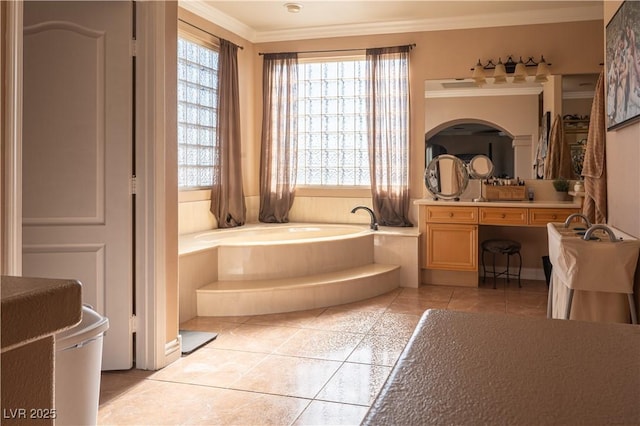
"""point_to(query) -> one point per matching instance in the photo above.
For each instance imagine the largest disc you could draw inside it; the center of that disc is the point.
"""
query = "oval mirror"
(481, 167)
(446, 177)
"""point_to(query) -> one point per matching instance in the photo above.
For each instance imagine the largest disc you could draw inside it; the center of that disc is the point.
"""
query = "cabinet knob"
(450, 214)
(554, 216)
(503, 215)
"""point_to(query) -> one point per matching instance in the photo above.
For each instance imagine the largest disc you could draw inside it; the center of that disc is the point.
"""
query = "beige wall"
(437, 55)
(623, 173)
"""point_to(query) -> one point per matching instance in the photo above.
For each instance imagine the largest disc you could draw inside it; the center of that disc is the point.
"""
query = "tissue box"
(505, 192)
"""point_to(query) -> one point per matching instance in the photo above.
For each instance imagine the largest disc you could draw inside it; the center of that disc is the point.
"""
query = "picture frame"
(623, 66)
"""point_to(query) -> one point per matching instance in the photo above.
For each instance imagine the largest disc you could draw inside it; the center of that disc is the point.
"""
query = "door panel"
(77, 156)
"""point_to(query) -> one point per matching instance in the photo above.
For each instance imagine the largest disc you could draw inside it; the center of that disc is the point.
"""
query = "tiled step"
(257, 297)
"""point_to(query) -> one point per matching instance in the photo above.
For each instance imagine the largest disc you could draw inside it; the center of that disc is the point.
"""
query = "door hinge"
(133, 185)
(133, 324)
(134, 48)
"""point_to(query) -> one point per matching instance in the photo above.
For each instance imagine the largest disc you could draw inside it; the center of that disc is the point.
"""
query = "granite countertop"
(479, 368)
(523, 204)
(33, 308)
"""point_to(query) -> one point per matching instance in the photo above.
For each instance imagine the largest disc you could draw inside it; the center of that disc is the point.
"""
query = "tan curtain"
(558, 160)
(227, 196)
(278, 155)
(388, 107)
(594, 167)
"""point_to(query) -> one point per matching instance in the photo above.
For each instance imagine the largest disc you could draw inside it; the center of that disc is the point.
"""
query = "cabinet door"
(540, 217)
(452, 247)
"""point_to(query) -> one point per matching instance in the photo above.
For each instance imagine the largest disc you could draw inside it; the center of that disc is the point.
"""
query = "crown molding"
(210, 13)
(206, 11)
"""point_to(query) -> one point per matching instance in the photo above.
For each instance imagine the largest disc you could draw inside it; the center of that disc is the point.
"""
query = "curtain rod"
(205, 31)
(411, 46)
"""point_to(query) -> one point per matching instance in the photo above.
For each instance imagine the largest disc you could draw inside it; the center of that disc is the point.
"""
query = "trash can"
(78, 361)
(546, 265)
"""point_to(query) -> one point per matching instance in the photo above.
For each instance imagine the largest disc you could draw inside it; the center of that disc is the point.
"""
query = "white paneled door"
(77, 156)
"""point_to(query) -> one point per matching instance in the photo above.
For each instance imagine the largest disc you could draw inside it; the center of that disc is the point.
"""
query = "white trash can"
(78, 361)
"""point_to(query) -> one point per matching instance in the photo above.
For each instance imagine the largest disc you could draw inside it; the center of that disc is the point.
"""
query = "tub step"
(257, 297)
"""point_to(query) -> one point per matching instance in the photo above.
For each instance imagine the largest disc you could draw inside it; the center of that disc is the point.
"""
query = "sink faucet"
(571, 216)
(612, 236)
(374, 222)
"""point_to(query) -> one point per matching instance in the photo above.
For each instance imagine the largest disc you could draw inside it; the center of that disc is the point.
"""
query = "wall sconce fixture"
(517, 69)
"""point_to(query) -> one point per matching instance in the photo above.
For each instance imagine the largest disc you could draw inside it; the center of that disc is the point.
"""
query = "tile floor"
(318, 367)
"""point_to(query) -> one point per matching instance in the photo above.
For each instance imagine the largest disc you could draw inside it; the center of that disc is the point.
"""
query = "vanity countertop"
(549, 204)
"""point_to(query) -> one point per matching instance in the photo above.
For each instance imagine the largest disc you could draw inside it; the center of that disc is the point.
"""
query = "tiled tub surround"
(268, 268)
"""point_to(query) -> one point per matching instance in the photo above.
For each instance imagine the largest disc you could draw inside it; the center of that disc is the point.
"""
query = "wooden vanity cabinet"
(451, 238)
(451, 232)
(540, 217)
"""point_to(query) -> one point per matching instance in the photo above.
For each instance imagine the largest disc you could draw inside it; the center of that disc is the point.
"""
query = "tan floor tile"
(394, 324)
(211, 324)
(531, 286)
(336, 319)
(355, 384)
(289, 376)
(116, 383)
(529, 304)
(253, 338)
(379, 350)
(331, 413)
(321, 344)
(237, 379)
(287, 319)
(478, 300)
(435, 293)
(249, 408)
(378, 303)
(415, 305)
(159, 403)
(211, 367)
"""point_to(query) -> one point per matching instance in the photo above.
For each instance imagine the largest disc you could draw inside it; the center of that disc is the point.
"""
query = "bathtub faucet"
(374, 222)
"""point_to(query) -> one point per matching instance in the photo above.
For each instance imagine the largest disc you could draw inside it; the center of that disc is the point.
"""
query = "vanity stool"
(508, 247)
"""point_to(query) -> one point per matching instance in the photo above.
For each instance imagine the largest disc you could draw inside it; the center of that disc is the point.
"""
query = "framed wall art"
(623, 66)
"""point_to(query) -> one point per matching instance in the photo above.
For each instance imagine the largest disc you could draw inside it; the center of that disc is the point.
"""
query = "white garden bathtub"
(285, 252)
(269, 234)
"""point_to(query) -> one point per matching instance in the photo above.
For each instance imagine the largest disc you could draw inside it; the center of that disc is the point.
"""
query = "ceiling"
(267, 20)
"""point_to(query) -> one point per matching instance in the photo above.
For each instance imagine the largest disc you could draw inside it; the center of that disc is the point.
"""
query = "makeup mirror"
(446, 177)
(481, 167)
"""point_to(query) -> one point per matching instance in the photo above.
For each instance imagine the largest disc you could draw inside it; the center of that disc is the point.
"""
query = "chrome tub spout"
(571, 216)
(612, 236)
(374, 222)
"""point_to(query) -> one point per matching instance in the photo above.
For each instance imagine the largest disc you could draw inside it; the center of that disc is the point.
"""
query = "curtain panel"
(227, 196)
(278, 156)
(388, 127)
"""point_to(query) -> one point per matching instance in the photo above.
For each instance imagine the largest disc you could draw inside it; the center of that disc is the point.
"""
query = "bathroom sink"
(595, 265)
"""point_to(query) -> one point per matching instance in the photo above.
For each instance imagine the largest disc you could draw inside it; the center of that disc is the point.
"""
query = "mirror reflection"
(460, 118)
(446, 177)
(468, 140)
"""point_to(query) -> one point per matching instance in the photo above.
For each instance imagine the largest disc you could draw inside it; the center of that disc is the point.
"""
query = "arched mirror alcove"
(467, 139)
